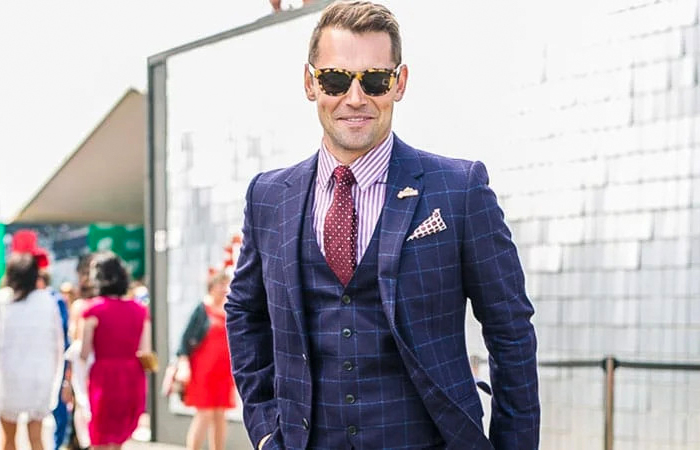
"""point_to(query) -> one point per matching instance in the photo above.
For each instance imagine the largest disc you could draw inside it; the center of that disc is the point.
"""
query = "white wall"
(587, 116)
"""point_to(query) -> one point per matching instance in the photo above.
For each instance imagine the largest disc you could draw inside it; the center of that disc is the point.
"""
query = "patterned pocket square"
(431, 225)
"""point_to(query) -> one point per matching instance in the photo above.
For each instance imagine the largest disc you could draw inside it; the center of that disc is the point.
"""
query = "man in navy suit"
(346, 316)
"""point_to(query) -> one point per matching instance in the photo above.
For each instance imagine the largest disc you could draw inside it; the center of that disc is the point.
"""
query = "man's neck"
(345, 157)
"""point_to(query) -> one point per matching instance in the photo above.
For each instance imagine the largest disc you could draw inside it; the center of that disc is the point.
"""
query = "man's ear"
(401, 82)
(309, 84)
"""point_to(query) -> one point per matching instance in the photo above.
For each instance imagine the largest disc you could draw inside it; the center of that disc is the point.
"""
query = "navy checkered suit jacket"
(423, 286)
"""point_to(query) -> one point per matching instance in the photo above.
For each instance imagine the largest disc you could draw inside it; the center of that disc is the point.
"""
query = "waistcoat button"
(345, 299)
(347, 332)
(350, 398)
(352, 430)
(347, 365)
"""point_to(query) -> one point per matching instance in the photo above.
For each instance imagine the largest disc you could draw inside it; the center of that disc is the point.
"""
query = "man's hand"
(263, 440)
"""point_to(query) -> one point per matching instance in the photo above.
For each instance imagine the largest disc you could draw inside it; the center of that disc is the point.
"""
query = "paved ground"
(23, 442)
(136, 445)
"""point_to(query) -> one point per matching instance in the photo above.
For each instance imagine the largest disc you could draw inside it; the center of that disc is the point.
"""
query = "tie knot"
(343, 176)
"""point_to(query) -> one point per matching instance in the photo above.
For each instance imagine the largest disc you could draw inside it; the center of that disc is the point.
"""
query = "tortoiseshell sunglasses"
(374, 82)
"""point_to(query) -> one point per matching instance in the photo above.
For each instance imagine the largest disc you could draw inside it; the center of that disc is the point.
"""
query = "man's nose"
(356, 96)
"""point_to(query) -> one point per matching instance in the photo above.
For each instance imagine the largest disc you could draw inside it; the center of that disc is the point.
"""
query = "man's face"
(354, 123)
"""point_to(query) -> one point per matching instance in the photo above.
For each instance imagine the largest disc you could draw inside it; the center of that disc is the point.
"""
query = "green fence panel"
(127, 241)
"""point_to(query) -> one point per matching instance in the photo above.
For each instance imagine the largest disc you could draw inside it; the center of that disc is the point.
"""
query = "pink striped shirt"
(368, 194)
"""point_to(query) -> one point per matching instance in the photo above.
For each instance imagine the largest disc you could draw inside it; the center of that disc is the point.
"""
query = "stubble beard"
(351, 143)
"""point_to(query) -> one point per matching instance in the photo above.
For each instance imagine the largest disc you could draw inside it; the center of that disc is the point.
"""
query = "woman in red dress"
(116, 329)
(204, 363)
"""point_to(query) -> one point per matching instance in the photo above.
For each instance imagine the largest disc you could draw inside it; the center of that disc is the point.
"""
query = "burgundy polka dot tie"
(340, 227)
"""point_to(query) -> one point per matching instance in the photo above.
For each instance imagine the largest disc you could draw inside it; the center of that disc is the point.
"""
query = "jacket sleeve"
(493, 279)
(197, 327)
(250, 333)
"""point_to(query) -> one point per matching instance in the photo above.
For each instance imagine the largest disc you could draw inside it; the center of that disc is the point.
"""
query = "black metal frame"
(609, 364)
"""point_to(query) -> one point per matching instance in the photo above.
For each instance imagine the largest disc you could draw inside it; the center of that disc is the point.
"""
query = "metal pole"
(609, 401)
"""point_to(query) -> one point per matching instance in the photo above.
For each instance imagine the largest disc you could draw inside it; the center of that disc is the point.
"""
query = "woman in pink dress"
(116, 330)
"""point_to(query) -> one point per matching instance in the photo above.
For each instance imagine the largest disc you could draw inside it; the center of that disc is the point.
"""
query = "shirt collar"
(370, 168)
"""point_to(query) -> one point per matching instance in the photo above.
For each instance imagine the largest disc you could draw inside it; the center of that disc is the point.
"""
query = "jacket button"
(305, 423)
(352, 430)
(345, 299)
(347, 365)
(350, 398)
(347, 332)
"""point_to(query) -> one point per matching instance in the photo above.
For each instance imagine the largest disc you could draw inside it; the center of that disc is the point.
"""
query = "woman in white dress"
(31, 351)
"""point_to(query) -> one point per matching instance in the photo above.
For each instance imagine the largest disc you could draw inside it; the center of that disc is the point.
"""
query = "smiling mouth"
(355, 119)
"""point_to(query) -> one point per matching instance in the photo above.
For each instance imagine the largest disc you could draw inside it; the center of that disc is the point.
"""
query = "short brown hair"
(85, 287)
(358, 17)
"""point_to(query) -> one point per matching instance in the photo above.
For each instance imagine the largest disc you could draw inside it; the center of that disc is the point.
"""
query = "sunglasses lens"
(376, 83)
(334, 83)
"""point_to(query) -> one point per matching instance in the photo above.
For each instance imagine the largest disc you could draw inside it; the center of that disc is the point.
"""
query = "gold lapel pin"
(407, 192)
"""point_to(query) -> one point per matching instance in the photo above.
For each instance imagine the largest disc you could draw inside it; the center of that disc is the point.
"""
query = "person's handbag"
(148, 360)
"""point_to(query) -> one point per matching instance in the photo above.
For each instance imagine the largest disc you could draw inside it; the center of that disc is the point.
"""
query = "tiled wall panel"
(601, 186)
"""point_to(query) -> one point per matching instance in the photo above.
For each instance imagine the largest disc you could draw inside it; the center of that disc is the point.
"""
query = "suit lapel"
(290, 217)
(405, 170)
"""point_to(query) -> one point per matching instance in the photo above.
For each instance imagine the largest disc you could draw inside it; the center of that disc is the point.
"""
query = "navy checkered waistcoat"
(363, 397)
(422, 285)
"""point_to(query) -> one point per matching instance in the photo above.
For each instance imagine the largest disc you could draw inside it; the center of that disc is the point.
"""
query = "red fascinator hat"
(26, 241)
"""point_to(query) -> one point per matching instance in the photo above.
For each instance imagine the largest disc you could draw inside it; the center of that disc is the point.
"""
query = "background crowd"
(71, 354)
(81, 354)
